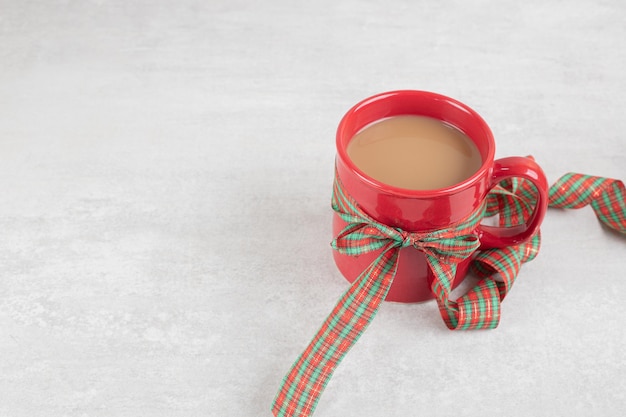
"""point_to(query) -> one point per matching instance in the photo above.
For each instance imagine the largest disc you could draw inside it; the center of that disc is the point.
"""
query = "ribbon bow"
(364, 234)
(513, 200)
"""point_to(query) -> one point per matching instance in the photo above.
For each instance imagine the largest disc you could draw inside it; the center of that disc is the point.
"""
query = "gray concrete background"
(165, 180)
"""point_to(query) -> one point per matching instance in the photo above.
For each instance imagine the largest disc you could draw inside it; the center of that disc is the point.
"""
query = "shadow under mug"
(428, 210)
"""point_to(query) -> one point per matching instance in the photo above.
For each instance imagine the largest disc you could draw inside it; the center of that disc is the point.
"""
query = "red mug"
(428, 210)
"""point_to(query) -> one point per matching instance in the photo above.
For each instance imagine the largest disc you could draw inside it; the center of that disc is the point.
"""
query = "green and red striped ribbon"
(513, 202)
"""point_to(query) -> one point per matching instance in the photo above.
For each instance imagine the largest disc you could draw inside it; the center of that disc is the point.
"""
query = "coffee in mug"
(414, 152)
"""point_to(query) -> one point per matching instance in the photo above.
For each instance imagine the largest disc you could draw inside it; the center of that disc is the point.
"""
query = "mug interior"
(420, 103)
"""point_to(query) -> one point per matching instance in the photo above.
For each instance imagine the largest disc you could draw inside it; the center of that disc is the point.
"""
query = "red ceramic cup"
(427, 210)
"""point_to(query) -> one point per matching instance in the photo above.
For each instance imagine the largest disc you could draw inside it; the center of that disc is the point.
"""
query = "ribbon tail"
(478, 309)
(443, 274)
(610, 206)
(606, 196)
(304, 383)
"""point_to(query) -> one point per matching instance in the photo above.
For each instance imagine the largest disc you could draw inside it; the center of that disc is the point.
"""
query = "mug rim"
(342, 142)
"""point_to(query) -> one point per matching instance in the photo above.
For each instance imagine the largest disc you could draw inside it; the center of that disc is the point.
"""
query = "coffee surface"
(414, 152)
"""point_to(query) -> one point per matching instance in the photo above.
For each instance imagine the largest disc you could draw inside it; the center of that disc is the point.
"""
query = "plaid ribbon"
(513, 200)
(606, 196)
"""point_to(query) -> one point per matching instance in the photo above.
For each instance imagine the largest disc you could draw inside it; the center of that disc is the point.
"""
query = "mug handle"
(521, 167)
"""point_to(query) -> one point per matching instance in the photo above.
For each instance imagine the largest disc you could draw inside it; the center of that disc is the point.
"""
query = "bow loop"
(366, 236)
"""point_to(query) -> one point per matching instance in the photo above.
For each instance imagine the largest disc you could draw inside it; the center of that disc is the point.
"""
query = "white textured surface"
(165, 176)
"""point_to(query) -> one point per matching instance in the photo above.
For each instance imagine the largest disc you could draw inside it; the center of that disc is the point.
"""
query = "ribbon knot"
(445, 246)
(413, 239)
